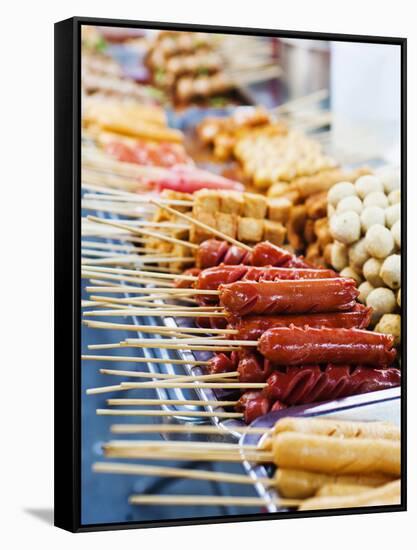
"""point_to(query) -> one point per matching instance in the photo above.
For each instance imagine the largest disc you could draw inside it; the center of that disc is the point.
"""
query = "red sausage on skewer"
(298, 346)
(253, 404)
(213, 252)
(295, 296)
(311, 383)
(253, 327)
(213, 277)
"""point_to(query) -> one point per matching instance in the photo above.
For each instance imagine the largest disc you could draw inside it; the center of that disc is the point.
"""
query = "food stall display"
(239, 295)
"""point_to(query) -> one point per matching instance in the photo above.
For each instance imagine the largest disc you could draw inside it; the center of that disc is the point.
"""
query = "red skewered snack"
(311, 383)
(292, 345)
(253, 327)
(213, 252)
(312, 345)
(294, 296)
(211, 278)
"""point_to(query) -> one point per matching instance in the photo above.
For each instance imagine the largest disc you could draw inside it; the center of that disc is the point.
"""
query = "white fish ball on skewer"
(379, 241)
(391, 271)
(339, 191)
(371, 270)
(372, 215)
(351, 203)
(345, 227)
(382, 300)
(339, 256)
(365, 289)
(396, 233)
(392, 214)
(368, 184)
(376, 198)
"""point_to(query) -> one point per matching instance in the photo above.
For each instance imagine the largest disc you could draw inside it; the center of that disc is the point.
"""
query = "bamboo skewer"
(137, 231)
(165, 471)
(189, 384)
(123, 237)
(109, 191)
(146, 329)
(136, 259)
(153, 268)
(121, 358)
(90, 176)
(165, 445)
(107, 246)
(139, 304)
(142, 223)
(208, 500)
(96, 158)
(103, 207)
(193, 341)
(99, 282)
(139, 199)
(164, 312)
(153, 300)
(111, 277)
(139, 412)
(121, 289)
(184, 454)
(163, 376)
(117, 254)
(119, 345)
(183, 429)
(105, 253)
(154, 290)
(159, 402)
(105, 389)
(139, 273)
(157, 329)
(202, 225)
(125, 305)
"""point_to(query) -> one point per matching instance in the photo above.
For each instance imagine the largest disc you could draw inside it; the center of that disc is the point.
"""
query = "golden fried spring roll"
(334, 455)
(338, 428)
(385, 495)
(301, 484)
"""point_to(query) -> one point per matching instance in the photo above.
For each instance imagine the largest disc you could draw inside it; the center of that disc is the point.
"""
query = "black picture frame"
(67, 493)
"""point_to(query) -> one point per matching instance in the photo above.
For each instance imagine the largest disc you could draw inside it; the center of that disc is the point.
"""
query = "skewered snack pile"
(187, 67)
(364, 219)
(312, 343)
(321, 463)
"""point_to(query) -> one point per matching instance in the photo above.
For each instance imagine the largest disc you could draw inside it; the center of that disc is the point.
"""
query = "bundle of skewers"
(294, 333)
(192, 68)
(319, 464)
(271, 146)
(103, 76)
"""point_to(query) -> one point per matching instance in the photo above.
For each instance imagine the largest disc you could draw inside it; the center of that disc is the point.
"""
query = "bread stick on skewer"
(303, 484)
(335, 428)
(385, 495)
(325, 454)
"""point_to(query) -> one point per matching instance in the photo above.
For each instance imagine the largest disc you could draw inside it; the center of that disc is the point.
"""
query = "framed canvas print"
(230, 274)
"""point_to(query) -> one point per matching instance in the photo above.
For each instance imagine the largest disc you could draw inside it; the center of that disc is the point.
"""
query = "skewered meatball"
(379, 241)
